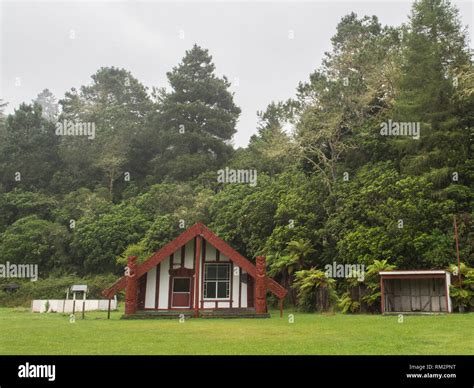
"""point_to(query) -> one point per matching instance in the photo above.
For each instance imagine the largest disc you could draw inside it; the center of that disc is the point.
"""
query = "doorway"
(181, 292)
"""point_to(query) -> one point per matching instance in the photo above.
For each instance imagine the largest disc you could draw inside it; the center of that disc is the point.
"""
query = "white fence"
(65, 306)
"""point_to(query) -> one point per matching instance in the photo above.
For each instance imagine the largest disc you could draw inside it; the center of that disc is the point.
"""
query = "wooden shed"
(419, 291)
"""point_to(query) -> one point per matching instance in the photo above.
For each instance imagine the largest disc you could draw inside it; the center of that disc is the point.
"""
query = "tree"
(386, 216)
(2, 115)
(29, 151)
(315, 290)
(31, 240)
(99, 239)
(293, 259)
(462, 288)
(18, 204)
(372, 282)
(435, 52)
(195, 120)
(82, 202)
(49, 105)
(270, 150)
(170, 208)
(117, 104)
(354, 85)
(244, 215)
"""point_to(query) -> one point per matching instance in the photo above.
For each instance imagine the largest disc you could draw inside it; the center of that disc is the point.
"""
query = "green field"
(25, 333)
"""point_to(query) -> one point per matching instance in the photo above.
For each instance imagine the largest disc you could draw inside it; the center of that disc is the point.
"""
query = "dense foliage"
(335, 188)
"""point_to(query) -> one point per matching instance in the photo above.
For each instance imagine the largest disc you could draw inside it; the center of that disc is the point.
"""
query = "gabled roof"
(195, 230)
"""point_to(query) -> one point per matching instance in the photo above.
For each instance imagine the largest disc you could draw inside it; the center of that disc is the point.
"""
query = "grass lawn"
(26, 333)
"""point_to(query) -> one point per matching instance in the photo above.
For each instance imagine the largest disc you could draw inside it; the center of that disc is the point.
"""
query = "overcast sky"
(60, 44)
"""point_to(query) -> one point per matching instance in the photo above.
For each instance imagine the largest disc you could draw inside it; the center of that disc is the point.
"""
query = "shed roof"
(414, 272)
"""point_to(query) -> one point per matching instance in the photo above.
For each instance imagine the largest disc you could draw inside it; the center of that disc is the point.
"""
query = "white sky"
(249, 42)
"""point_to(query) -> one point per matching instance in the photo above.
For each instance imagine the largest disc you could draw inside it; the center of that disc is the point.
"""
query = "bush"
(346, 304)
(51, 288)
(462, 296)
(315, 291)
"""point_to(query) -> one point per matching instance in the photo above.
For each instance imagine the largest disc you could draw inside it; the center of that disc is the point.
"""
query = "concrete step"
(159, 315)
(235, 316)
(206, 313)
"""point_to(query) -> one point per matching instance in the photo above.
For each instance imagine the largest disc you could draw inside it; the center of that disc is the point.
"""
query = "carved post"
(260, 287)
(197, 266)
(132, 286)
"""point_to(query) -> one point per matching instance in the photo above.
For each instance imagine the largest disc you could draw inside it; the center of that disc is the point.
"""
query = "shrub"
(315, 290)
(52, 288)
(462, 287)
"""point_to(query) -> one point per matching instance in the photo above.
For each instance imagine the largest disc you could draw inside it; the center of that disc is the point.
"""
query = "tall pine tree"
(196, 119)
(435, 52)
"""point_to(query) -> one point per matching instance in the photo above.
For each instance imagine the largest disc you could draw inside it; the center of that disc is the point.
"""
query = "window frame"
(217, 281)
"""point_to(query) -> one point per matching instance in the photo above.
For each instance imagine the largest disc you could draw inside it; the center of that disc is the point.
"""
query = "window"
(181, 285)
(217, 281)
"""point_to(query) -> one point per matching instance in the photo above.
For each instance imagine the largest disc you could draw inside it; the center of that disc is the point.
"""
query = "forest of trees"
(335, 188)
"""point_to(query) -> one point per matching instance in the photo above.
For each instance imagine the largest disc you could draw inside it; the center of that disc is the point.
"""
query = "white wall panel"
(150, 292)
(164, 284)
